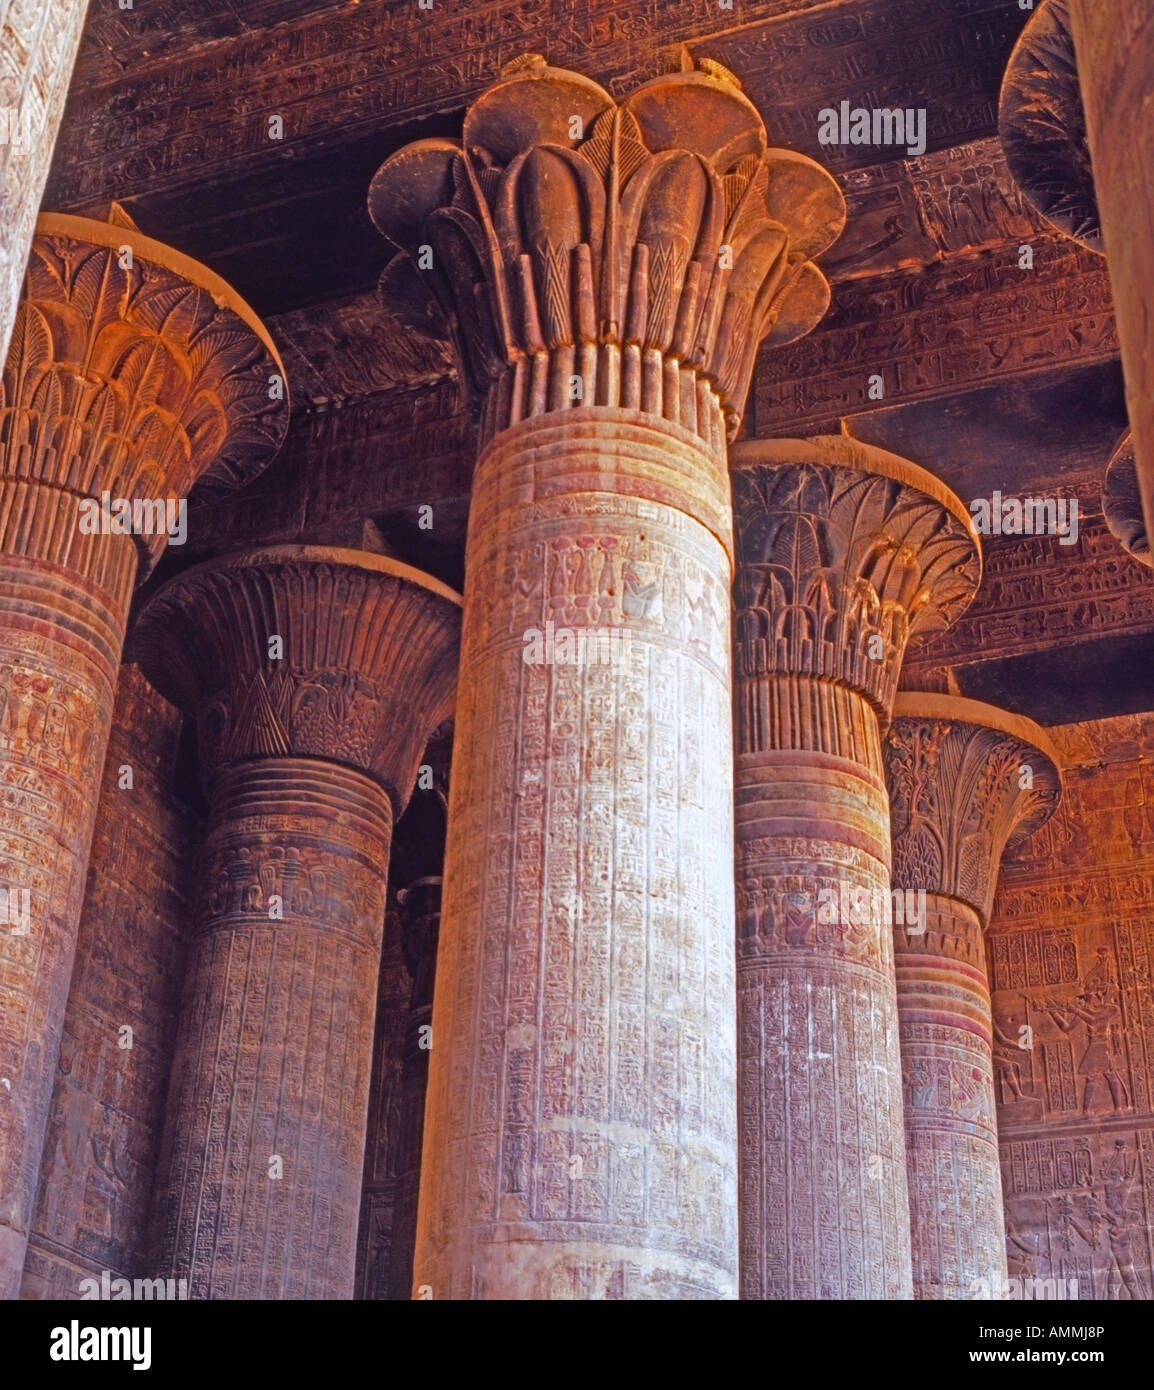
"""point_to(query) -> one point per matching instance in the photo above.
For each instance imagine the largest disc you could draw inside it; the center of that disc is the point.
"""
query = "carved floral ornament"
(841, 544)
(966, 781)
(1042, 125)
(138, 375)
(1122, 502)
(567, 235)
(367, 666)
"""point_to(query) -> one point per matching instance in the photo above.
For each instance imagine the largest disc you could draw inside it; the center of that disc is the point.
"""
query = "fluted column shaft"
(308, 755)
(38, 43)
(1115, 51)
(844, 551)
(137, 382)
(964, 779)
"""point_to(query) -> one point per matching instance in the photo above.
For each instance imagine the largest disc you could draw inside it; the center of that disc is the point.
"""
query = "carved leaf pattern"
(131, 380)
(627, 197)
(861, 555)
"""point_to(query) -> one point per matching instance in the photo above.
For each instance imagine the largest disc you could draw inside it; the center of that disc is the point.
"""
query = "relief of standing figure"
(1102, 1018)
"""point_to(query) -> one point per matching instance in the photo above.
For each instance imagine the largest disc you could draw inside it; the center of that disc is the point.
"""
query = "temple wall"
(1071, 960)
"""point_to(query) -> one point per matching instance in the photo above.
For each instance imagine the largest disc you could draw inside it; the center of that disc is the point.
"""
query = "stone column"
(38, 43)
(965, 780)
(316, 676)
(420, 905)
(131, 383)
(1114, 44)
(1122, 502)
(610, 270)
(845, 553)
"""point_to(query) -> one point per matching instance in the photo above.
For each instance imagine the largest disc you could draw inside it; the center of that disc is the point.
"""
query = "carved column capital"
(133, 371)
(593, 252)
(965, 780)
(365, 665)
(1122, 502)
(1042, 126)
(846, 553)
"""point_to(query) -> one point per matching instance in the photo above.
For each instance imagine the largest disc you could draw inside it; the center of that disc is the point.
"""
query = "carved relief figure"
(1098, 1012)
(1123, 1220)
(112, 1177)
(1008, 1060)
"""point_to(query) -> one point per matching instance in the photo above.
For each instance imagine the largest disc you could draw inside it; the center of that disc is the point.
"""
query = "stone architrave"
(316, 676)
(965, 780)
(1114, 44)
(38, 43)
(845, 553)
(609, 270)
(133, 373)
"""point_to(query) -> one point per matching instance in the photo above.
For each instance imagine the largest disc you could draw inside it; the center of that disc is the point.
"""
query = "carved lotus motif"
(564, 220)
(139, 378)
(848, 553)
(959, 794)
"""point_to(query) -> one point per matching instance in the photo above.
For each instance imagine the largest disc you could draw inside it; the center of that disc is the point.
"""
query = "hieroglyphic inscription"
(108, 1099)
(581, 1086)
(934, 332)
(1073, 976)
